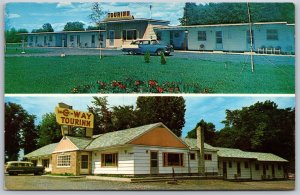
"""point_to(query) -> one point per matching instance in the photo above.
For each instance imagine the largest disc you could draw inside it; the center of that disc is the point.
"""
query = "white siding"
(232, 172)
(125, 162)
(142, 160)
(211, 166)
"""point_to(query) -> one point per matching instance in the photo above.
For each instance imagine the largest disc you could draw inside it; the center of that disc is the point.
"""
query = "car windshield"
(154, 42)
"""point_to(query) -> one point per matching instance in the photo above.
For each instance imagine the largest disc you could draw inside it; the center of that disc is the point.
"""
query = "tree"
(29, 135)
(74, 26)
(49, 130)
(45, 28)
(168, 110)
(124, 117)
(226, 13)
(97, 15)
(18, 124)
(208, 129)
(102, 115)
(261, 127)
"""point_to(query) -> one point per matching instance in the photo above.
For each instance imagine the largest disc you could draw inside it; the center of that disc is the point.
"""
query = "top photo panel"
(182, 48)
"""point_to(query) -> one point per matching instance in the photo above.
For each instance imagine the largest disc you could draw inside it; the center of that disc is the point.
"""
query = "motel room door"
(224, 170)
(219, 40)
(111, 38)
(154, 162)
(84, 164)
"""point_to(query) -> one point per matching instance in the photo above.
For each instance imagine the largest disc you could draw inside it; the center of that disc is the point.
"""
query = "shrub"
(163, 58)
(147, 57)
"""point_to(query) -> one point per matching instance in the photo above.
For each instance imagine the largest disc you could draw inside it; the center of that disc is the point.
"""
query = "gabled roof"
(266, 157)
(120, 137)
(43, 151)
(80, 142)
(192, 143)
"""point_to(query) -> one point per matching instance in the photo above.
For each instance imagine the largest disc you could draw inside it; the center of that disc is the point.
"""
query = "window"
(279, 167)
(173, 159)
(229, 164)
(109, 160)
(63, 160)
(267, 167)
(45, 163)
(129, 34)
(84, 161)
(272, 34)
(31, 38)
(50, 38)
(248, 36)
(257, 167)
(207, 156)
(192, 156)
(72, 38)
(219, 37)
(246, 165)
(201, 35)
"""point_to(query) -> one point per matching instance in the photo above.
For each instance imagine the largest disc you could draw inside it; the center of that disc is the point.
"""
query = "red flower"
(137, 82)
(171, 90)
(121, 86)
(152, 83)
(160, 90)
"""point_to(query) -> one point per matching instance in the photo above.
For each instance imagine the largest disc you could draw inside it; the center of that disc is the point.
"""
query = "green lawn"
(61, 75)
(17, 49)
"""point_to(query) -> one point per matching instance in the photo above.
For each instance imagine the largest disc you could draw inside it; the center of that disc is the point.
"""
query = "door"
(154, 162)
(249, 40)
(84, 164)
(78, 41)
(93, 41)
(264, 171)
(219, 40)
(111, 38)
(45, 40)
(273, 171)
(238, 169)
(224, 170)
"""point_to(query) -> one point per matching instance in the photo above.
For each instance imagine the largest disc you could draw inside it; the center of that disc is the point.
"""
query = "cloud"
(10, 16)
(64, 4)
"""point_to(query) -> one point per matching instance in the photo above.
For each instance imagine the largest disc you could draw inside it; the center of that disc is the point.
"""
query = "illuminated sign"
(76, 118)
(117, 15)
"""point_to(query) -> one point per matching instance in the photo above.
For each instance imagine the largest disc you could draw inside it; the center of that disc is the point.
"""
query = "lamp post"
(185, 39)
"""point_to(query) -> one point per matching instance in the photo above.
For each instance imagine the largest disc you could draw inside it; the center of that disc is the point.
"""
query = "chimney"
(200, 145)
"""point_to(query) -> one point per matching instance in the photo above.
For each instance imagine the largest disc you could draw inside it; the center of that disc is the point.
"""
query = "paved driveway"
(29, 182)
(218, 57)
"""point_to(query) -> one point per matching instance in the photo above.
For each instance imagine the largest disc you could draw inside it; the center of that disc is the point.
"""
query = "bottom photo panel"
(131, 142)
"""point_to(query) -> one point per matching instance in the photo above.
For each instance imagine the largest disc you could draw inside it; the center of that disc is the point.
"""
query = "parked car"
(146, 45)
(22, 167)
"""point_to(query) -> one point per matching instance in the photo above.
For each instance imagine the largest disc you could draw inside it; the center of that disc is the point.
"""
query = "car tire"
(130, 52)
(158, 52)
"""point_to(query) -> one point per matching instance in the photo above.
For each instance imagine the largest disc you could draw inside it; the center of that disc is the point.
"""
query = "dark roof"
(43, 151)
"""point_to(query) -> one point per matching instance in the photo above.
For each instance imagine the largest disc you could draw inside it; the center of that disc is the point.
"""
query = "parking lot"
(30, 182)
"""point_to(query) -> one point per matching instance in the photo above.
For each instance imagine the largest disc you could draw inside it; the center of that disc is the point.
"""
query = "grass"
(61, 75)
(17, 49)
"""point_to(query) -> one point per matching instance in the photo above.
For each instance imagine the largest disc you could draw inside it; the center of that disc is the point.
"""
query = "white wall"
(125, 162)
(142, 160)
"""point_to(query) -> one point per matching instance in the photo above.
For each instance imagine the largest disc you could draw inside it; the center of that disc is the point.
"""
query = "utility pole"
(251, 38)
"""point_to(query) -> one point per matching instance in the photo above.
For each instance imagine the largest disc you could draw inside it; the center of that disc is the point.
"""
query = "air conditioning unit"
(201, 47)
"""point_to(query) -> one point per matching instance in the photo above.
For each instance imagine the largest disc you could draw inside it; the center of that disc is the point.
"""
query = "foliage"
(97, 14)
(74, 26)
(124, 117)
(11, 36)
(139, 86)
(169, 110)
(223, 13)
(49, 130)
(19, 131)
(47, 27)
(163, 58)
(261, 127)
(208, 129)
(40, 75)
(147, 57)
(102, 115)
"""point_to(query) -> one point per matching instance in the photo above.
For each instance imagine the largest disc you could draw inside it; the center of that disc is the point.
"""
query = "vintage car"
(146, 45)
(22, 167)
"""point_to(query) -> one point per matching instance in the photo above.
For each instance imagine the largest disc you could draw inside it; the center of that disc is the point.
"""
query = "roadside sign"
(76, 118)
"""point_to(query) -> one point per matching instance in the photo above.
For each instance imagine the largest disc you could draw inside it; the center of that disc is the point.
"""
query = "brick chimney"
(200, 145)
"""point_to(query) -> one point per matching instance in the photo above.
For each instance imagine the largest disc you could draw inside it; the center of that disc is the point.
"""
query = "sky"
(34, 15)
(210, 108)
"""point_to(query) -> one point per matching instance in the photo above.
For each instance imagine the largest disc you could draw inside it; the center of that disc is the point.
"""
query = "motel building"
(149, 150)
(121, 28)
